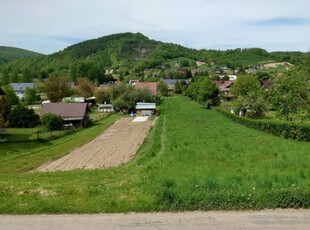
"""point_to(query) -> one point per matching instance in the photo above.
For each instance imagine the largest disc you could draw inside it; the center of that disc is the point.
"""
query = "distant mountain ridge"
(8, 54)
(136, 51)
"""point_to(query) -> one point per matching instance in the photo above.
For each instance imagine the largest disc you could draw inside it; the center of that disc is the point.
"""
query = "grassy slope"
(192, 159)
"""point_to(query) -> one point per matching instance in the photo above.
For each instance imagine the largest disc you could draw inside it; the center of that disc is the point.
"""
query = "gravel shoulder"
(115, 146)
(265, 219)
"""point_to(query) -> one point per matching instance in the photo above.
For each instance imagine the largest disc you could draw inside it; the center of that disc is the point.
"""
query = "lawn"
(192, 159)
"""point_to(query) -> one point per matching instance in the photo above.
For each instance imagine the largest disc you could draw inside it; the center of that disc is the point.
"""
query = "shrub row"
(300, 132)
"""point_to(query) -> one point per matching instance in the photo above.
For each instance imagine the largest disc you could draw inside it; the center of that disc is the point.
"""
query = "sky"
(47, 26)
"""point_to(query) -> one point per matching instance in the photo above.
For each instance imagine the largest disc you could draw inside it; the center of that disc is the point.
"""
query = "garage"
(145, 109)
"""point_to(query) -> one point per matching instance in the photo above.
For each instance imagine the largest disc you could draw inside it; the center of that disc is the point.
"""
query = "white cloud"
(51, 25)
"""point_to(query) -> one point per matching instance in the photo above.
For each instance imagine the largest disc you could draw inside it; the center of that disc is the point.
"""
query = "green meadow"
(192, 159)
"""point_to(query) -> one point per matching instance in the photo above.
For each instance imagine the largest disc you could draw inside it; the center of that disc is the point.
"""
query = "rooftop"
(21, 86)
(173, 81)
(142, 105)
(65, 110)
(223, 85)
(151, 85)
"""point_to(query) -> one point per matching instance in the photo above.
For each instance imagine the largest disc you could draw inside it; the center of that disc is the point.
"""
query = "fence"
(33, 134)
(99, 116)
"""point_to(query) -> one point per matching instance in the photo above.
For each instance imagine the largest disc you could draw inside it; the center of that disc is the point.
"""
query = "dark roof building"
(20, 88)
(70, 112)
(171, 82)
(224, 85)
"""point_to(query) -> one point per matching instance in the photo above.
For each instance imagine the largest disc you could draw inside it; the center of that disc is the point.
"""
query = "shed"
(145, 109)
(105, 108)
(74, 99)
(71, 113)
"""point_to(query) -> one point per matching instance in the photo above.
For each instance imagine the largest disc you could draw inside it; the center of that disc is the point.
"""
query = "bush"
(10, 95)
(300, 132)
(52, 121)
(22, 117)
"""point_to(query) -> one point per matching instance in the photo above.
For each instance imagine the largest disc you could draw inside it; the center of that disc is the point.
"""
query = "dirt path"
(117, 145)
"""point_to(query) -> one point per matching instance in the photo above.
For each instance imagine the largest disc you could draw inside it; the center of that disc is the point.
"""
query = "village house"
(133, 81)
(20, 88)
(181, 70)
(194, 71)
(200, 62)
(73, 114)
(212, 63)
(171, 82)
(225, 88)
(151, 85)
(224, 68)
(217, 70)
(232, 77)
(145, 109)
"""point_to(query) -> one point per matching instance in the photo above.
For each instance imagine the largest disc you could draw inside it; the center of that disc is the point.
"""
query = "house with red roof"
(151, 85)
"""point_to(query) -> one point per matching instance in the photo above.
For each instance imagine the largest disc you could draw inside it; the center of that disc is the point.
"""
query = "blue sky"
(52, 25)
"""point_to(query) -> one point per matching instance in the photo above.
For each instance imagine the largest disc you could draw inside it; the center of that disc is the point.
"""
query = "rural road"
(266, 219)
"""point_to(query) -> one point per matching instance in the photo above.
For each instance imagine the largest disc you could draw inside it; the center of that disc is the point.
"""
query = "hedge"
(300, 132)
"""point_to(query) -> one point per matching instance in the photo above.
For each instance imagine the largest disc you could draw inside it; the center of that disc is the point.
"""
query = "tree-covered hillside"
(8, 54)
(134, 51)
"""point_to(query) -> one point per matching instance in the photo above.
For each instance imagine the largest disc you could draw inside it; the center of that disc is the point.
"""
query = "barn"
(145, 109)
(74, 114)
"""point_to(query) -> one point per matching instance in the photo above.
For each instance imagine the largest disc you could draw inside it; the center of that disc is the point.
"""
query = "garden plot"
(117, 145)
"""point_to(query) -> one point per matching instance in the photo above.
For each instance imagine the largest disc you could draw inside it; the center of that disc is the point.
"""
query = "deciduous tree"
(162, 88)
(208, 93)
(22, 117)
(56, 88)
(10, 94)
(52, 121)
(30, 96)
(85, 88)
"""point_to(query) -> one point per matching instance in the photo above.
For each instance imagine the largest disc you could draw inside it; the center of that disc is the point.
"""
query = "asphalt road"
(266, 219)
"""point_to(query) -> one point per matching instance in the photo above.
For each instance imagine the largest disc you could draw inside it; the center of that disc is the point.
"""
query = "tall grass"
(192, 159)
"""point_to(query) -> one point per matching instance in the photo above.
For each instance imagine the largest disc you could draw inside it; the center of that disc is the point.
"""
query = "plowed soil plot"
(117, 145)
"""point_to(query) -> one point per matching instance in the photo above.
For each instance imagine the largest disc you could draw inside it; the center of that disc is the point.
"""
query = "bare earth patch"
(115, 146)
(275, 64)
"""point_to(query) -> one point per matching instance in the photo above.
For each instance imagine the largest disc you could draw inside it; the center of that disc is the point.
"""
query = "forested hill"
(8, 54)
(135, 51)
